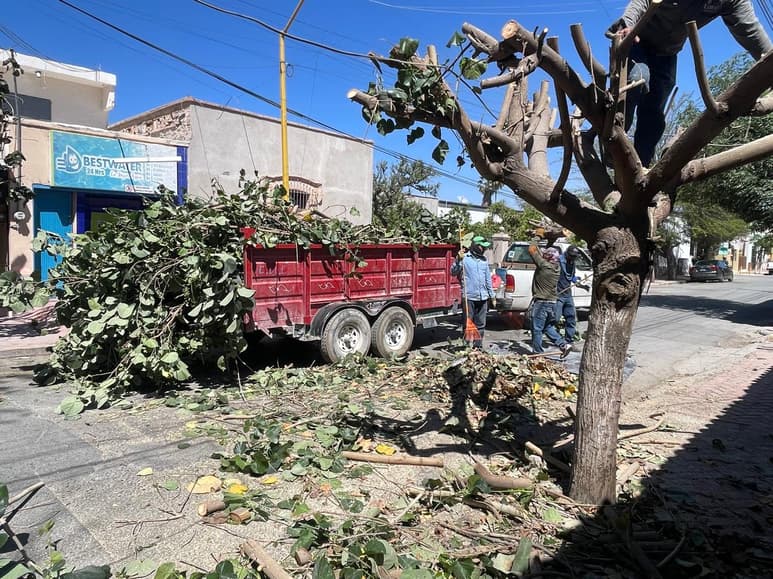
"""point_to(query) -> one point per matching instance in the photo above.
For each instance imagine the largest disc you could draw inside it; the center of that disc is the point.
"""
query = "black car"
(711, 269)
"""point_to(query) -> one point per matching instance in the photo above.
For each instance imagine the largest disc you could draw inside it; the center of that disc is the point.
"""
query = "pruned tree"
(620, 225)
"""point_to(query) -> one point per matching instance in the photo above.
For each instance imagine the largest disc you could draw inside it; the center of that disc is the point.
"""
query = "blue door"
(53, 212)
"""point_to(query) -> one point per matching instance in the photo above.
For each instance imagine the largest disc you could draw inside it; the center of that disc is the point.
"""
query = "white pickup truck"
(517, 272)
(770, 268)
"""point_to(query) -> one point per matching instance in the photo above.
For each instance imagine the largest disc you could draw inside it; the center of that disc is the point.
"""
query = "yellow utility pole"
(283, 99)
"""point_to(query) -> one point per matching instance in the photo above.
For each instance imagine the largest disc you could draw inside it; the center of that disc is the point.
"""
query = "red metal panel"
(292, 283)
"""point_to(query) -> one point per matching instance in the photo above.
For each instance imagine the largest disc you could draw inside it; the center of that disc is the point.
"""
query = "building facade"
(330, 173)
(75, 167)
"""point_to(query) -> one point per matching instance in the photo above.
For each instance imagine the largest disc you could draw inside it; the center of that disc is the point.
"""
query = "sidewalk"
(26, 339)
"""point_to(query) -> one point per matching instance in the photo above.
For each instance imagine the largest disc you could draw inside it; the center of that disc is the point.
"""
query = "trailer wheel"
(392, 333)
(346, 332)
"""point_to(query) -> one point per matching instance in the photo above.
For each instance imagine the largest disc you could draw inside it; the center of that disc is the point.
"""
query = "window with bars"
(304, 193)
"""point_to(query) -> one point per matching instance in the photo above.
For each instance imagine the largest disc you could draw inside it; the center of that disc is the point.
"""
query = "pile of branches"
(150, 295)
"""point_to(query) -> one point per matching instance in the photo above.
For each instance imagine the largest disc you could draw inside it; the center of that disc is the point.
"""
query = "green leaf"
(125, 310)
(166, 571)
(3, 498)
(95, 327)
(170, 485)
(522, 556)
(150, 237)
(439, 153)
(472, 68)
(139, 568)
(245, 292)
(170, 358)
(385, 126)
(121, 257)
(195, 311)
(227, 299)
(382, 552)
(457, 39)
(3, 539)
(90, 572)
(436, 132)
(322, 569)
(71, 406)
(407, 48)
(415, 134)
(16, 570)
(551, 515)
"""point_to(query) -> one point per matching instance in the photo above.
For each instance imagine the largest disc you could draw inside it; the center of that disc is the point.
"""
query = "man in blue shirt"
(564, 300)
(473, 271)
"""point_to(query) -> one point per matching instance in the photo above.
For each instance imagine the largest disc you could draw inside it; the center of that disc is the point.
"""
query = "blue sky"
(317, 80)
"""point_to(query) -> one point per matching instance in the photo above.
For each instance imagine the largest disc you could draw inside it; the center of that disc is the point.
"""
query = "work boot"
(565, 349)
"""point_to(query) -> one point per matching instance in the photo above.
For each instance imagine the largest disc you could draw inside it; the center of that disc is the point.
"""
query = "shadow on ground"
(760, 314)
(707, 512)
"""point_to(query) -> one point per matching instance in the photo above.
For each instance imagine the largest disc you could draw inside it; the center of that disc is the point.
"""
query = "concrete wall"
(337, 169)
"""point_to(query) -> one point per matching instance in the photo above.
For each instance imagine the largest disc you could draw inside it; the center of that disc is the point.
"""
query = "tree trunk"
(672, 265)
(619, 268)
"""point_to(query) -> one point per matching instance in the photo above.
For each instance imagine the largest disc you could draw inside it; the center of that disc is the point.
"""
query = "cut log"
(394, 459)
(208, 507)
(240, 515)
(255, 553)
(501, 481)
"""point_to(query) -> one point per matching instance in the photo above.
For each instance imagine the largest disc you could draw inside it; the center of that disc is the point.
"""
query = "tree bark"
(618, 273)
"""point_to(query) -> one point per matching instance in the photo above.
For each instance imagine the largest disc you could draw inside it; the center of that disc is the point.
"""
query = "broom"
(471, 333)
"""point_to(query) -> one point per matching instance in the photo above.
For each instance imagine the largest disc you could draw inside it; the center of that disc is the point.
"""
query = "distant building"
(329, 172)
(440, 207)
(76, 168)
(61, 93)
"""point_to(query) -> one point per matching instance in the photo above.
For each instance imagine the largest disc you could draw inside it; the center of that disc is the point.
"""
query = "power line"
(259, 97)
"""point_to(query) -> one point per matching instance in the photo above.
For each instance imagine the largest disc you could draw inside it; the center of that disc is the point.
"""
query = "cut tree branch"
(739, 99)
(566, 132)
(700, 169)
(597, 71)
(700, 69)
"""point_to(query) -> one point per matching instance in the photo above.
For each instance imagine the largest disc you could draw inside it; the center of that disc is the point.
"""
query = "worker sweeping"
(472, 268)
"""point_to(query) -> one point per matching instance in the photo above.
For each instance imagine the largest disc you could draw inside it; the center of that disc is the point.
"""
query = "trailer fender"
(371, 309)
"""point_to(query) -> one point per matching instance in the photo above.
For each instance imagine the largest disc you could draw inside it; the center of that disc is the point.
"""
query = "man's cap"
(551, 254)
(482, 241)
(573, 252)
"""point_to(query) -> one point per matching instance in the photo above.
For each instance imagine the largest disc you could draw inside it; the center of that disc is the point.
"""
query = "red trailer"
(309, 294)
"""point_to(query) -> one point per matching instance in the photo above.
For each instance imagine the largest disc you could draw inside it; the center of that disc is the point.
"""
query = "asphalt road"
(90, 465)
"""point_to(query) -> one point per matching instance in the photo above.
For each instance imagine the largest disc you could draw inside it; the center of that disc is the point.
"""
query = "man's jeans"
(649, 100)
(543, 320)
(565, 308)
(478, 311)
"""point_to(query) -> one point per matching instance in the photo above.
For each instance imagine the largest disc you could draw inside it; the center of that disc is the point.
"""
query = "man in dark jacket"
(543, 291)
(474, 273)
(653, 57)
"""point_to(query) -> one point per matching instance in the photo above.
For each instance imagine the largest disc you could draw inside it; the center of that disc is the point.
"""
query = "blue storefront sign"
(112, 164)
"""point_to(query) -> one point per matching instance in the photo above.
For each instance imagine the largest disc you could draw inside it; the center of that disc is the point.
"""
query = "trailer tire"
(392, 334)
(346, 332)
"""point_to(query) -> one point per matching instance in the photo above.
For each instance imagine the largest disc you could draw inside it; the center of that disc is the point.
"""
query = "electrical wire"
(260, 97)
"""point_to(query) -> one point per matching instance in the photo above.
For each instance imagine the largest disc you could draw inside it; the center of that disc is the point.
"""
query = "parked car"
(770, 268)
(517, 272)
(711, 269)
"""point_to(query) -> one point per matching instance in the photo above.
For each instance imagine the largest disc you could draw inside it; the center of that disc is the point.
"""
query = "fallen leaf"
(385, 449)
(270, 480)
(231, 481)
(145, 472)
(237, 488)
(170, 485)
(204, 485)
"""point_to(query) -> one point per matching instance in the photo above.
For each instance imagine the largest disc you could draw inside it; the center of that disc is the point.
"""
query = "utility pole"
(283, 100)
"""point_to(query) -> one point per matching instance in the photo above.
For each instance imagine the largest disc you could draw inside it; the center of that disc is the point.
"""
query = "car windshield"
(706, 262)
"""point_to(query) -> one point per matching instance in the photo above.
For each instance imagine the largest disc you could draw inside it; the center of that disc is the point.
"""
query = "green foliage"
(746, 191)
(20, 294)
(150, 295)
(401, 218)
(422, 88)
